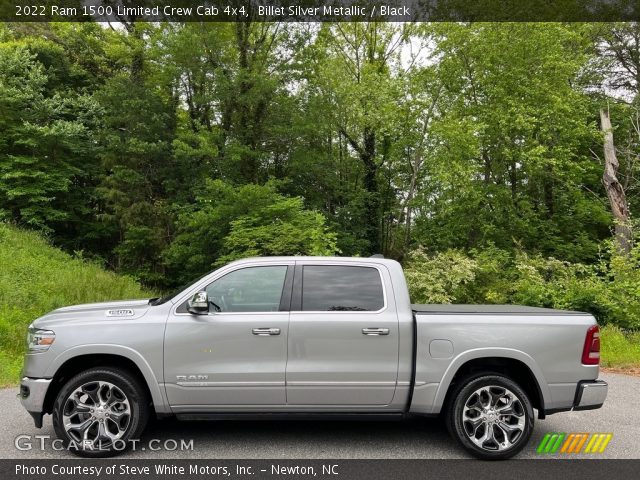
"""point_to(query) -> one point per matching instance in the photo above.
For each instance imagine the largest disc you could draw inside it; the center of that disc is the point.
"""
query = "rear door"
(343, 336)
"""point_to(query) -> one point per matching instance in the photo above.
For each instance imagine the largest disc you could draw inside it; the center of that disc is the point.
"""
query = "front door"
(343, 336)
(234, 356)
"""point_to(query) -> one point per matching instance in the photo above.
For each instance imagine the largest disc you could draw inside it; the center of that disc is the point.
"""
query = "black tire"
(127, 389)
(499, 446)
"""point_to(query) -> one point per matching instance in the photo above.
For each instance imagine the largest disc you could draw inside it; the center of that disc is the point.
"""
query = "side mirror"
(199, 304)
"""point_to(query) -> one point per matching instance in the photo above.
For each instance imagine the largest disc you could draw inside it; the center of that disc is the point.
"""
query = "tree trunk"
(372, 201)
(615, 191)
(547, 187)
(367, 154)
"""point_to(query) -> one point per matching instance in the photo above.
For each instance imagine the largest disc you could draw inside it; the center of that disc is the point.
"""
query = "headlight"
(39, 340)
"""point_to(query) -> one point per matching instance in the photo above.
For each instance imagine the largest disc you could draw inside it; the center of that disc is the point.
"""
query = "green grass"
(36, 278)
(619, 349)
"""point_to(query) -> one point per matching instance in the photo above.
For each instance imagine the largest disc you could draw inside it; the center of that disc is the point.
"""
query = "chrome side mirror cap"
(199, 304)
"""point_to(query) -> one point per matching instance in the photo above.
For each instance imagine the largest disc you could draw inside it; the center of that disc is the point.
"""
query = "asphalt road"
(415, 438)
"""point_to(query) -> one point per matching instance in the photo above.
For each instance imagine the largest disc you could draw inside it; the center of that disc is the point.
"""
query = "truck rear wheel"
(99, 411)
(491, 416)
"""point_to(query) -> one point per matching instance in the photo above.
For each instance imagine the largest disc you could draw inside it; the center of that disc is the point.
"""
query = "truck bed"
(488, 310)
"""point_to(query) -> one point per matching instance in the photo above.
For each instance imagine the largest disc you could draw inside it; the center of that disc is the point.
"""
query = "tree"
(354, 74)
(45, 141)
(512, 162)
(281, 228)
(234, 79)
(230, 222)
(165, 149)
(135, 137)
(618, 46)
(615, 191)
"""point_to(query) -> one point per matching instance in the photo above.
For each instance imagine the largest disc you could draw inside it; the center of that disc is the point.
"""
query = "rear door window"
(335, 288)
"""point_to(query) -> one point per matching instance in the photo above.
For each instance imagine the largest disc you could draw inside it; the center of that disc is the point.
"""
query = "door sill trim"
(205, 416)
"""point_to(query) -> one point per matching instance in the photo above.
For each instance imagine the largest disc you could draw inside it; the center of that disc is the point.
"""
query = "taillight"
(591, 351)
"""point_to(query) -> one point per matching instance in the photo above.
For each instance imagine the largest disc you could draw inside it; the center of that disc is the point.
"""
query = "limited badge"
(124, 312)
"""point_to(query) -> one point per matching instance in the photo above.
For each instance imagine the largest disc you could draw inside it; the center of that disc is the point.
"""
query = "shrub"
(439, 278)
(610, 289)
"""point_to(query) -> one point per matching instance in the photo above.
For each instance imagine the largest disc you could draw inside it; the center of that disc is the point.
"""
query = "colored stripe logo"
(574, 443)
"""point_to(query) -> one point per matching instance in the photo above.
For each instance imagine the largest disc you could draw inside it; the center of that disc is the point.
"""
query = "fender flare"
(489, 352)
(159, 400)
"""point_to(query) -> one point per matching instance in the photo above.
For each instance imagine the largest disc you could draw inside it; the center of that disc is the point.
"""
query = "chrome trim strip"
(291, 384)
(340, 384)
(268, 408)
(230, 384)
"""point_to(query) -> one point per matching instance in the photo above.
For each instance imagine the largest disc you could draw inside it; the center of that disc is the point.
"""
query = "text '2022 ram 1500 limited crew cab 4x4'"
(307, 335)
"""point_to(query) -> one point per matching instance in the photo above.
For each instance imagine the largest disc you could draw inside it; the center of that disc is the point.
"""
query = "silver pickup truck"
(309, 336)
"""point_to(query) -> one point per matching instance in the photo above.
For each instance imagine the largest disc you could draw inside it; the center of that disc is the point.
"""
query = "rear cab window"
(336, 288)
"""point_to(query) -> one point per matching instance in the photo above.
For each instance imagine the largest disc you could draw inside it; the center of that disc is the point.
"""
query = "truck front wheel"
(491, 416)
(100, 411)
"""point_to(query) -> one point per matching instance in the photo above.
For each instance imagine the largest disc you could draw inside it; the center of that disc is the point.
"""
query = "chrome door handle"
(375, 331)
(263, 332)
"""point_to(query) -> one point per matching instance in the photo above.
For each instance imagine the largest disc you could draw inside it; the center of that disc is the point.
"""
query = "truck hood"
(116, 310)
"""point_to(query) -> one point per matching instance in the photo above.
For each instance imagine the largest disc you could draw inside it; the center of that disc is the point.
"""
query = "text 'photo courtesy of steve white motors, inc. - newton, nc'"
(170, 470)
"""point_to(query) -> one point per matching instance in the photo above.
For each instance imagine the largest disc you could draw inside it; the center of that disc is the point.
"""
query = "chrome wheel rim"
(96, 415)
(494, 418)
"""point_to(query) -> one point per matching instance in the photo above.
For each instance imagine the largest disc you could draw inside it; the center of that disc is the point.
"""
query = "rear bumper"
(590, 394)
(32, 394)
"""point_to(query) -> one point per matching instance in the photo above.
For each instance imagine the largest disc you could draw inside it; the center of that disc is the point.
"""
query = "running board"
(203, 416)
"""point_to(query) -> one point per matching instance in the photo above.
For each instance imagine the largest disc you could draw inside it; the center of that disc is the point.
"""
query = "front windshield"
(175, 293)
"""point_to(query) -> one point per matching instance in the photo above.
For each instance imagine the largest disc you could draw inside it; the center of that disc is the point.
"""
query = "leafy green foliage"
(609, 289)
(45, 135)
(281, 228)
(438, 278)
(135, 138)
(514, 143)
(229, 222)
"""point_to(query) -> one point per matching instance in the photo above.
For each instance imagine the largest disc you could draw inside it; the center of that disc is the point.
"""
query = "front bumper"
(590, 394)
(32, 394)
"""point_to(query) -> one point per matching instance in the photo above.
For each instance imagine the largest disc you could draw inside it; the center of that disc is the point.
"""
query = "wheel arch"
(78, 359)
(514, 364)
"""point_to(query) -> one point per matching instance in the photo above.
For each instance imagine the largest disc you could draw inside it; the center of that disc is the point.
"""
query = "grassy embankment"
(36, 278)
(620, 350)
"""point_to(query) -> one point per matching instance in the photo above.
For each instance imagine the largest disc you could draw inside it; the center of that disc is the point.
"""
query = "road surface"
(295, 439)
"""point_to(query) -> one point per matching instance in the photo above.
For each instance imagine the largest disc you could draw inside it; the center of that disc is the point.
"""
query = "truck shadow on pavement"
(408, 438)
